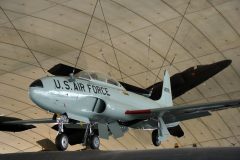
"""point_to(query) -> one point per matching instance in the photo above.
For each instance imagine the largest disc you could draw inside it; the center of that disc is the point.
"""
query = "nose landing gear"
(61, 120)
(90, 138)
(61, 142)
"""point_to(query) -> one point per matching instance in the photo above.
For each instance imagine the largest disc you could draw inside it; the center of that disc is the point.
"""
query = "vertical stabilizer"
(166, 98)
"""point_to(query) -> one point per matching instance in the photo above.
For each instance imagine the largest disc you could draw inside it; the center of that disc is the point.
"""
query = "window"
(98, 76)
(84, 75)
(111, 81)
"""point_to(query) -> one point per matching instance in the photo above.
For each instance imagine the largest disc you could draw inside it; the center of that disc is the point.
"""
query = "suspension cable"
(149, 47)
(85, 36)
(173, 39)
(23, 40)
(110, 39)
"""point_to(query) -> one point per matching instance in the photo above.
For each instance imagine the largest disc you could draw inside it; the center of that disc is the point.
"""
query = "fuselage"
(78, 98)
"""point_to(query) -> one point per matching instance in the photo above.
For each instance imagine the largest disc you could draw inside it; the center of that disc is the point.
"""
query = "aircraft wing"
(30, 121)
(12, 124)
(63, 70)
(184, 112)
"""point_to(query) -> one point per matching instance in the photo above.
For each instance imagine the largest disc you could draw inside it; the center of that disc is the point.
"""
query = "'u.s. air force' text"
(76, 86)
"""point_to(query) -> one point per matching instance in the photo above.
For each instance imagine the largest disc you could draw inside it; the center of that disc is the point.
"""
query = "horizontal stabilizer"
(176, 131)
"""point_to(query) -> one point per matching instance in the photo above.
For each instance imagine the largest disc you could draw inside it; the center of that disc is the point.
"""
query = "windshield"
(83, 75)
(98, 76)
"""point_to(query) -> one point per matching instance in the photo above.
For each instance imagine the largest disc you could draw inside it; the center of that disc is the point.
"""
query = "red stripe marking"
(146, 111)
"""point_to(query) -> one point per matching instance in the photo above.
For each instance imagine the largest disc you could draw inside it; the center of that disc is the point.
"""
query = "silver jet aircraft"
(103, 107)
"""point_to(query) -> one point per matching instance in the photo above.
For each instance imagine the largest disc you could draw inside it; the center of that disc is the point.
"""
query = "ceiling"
(142, 34)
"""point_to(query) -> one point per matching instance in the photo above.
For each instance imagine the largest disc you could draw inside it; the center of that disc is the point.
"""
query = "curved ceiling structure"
(145, 36)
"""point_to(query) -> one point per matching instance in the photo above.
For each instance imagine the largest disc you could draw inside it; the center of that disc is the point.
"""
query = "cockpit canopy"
(98, 77)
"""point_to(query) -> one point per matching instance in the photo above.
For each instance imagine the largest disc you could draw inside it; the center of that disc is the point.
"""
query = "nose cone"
(36, 92)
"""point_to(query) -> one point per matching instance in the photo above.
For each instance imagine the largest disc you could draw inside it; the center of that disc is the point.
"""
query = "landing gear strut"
(90, 138)
(161, 133)
(61, 140)
(61, 120)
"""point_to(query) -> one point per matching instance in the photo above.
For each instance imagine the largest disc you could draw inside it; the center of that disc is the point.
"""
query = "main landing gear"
(90, 140)
(155, 139)
(161, 133)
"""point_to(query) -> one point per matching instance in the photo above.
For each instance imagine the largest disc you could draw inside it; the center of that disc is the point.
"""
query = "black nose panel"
(37, 83)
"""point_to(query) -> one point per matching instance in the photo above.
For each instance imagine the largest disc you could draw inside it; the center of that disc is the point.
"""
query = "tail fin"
(166, 98)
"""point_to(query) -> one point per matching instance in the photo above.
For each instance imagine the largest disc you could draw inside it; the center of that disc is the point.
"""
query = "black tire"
(94, 142)
(155, 140)
(61, 142)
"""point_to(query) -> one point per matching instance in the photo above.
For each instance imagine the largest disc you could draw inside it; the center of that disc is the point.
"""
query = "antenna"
(172, 60)
(72, 78)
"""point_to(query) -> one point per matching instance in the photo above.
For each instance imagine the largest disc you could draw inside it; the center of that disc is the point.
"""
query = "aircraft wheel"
(61, 142)
(94, 142)
(155, 140)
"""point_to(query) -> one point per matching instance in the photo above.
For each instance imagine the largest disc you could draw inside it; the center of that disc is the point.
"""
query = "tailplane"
(166, 98)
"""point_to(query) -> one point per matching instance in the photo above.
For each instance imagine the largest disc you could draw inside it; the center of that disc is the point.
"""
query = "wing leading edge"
(27, 122)
(184, 112)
